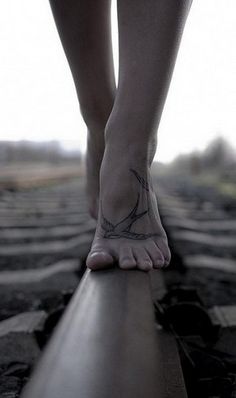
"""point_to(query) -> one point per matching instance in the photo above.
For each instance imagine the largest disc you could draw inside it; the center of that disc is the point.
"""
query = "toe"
(143, 259)
(99, 260)
(126, 258)
(156, 255)
(162, 245)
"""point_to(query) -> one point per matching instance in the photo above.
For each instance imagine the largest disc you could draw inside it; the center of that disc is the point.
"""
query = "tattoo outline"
(123, 228)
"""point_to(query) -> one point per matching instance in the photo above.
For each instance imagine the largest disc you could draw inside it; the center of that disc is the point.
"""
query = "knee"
(95, 114)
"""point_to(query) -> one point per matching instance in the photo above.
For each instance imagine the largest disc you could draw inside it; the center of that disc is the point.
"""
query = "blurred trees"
(28, 152)
(218, 155)
(219, 158)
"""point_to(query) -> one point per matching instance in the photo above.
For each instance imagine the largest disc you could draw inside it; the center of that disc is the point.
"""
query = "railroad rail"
(107, 344)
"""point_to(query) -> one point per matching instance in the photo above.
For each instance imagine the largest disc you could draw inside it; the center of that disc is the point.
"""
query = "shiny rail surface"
(107, 344)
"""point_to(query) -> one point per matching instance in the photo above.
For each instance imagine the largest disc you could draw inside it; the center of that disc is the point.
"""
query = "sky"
(38, 99)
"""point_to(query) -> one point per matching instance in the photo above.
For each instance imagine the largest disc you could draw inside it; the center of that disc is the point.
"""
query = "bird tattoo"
(123, 228)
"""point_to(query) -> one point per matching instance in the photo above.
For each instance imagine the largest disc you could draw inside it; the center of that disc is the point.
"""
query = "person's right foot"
(129, 230)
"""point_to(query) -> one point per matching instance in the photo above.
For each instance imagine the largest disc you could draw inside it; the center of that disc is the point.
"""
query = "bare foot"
(94, 155)
(129, 230)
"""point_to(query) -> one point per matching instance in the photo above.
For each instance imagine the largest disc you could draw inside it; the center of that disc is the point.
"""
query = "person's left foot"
(94, 155)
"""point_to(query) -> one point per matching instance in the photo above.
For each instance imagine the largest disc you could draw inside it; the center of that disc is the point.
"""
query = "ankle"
(121, 177)
(126, 153)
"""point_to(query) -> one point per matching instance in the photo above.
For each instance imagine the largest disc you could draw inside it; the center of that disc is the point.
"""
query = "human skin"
(122, 122)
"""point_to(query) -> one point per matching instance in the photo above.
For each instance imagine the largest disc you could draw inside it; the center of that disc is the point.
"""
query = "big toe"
(99, 260)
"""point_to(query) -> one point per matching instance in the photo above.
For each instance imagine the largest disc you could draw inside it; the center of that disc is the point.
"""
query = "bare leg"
(129, 229)
(84, 27)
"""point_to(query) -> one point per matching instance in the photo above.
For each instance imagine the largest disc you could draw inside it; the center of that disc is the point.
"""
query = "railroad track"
(135, 346)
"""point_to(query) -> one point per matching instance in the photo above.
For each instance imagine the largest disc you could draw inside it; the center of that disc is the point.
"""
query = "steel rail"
(107, 344)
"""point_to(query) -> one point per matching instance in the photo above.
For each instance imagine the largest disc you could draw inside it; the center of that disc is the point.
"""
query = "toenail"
(158, 262)
(127, 262)
(145, 265)
(96, 253)
(127, 265)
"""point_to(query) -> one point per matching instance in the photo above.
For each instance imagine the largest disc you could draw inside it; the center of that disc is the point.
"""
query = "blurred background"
(40, 120)
(45, 228)
(38, 100)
